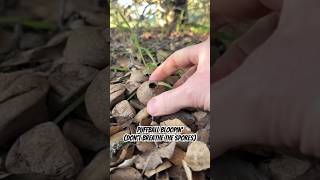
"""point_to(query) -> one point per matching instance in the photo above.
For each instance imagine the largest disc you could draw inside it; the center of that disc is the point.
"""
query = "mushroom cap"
(148, 90)
(198, 156)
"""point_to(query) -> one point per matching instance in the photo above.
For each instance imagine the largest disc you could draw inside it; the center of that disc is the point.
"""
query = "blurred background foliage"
(147, 32)
(167, 15)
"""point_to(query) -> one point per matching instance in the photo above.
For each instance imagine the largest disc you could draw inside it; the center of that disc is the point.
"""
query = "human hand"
(192, 89)
(266, 88)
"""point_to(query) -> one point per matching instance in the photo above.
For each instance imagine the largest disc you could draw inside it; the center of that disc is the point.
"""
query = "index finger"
(182, 58)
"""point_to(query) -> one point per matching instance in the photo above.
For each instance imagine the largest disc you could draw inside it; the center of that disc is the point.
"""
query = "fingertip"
(151, 107)
(153, 77)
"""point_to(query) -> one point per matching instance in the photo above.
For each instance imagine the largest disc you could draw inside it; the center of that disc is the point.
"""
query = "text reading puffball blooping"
(160, 134)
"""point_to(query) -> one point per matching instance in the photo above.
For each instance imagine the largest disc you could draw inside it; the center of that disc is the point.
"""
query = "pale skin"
(197, 59)
(266, 86)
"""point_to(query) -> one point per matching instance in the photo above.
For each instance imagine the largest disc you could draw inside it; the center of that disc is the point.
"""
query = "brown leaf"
(167, 151)
(187, 170)
(160, 168)
(125, 174)
(126, 163)
(145, 146)
(151, 160)
(148, 161)
(178, 156)
(126, 152)
(123, 109)
(137, 76)
(116, 93)
(142, 114)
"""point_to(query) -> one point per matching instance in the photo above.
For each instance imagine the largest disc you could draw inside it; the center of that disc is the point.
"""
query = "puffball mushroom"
(148, 90)
(198, 156)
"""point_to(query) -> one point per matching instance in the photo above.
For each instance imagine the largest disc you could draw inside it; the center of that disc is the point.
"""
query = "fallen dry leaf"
(145, 146)
(126, 152)
(126, 163)
(142, 114)
(151, 160)
(167, 151)
(125, 174)
(137, 76)
(187, 170)
(116, 93)
(160, 168)
(178, 156)
(123, 109)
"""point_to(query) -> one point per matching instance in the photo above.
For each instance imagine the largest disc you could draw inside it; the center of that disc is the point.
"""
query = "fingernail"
(151, 107)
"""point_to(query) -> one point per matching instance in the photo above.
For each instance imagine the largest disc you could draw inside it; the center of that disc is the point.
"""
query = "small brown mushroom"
(198, 156)
(147, 90)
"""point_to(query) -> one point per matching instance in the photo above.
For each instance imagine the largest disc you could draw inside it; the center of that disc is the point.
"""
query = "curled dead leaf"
(148, 161)
(137, 104)
(160, 168)
(145, 146)
(123, 109)
(137, 76)
(142, 114)
(116, 141)
(125, 174)
(116, 93)
(177, 157)
(131, 87)
(187, 170)
(126, 152)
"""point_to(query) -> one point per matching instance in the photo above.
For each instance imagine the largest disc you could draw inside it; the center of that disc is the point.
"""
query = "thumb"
(169, 102)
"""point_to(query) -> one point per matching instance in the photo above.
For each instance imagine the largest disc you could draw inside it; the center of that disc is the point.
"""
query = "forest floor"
(130, 91)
